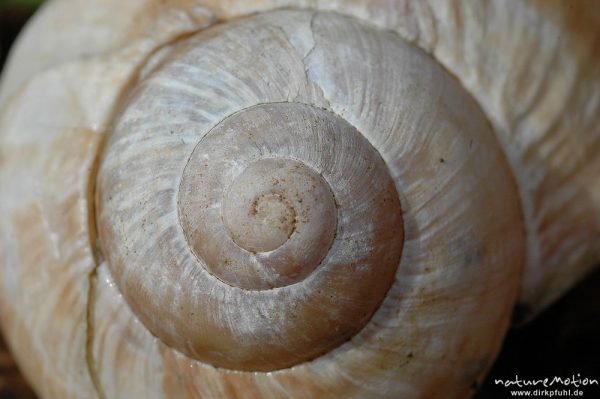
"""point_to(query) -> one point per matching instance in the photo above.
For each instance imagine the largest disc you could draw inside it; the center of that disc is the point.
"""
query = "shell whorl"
(224, 291)
(251, 208)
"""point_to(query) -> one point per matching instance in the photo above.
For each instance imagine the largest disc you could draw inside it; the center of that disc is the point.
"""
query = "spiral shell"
(254, 254)
(297, 203)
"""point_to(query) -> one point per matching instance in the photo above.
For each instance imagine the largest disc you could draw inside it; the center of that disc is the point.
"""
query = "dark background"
(563, 341)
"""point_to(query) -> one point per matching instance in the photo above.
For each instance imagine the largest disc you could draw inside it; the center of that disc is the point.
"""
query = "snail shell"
(343, 200)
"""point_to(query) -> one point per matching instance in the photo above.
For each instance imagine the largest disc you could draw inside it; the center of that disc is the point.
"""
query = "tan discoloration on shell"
(44, 252)
(48, 157)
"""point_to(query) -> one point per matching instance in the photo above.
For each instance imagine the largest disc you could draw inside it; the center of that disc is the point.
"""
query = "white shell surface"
(203, 294)
(463, 244)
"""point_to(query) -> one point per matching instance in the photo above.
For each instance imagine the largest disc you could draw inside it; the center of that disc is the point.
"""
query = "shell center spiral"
(271, 200)
(256, 214)
(265, 224)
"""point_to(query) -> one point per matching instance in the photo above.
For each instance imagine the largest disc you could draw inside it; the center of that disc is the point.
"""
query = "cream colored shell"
(493, 170)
